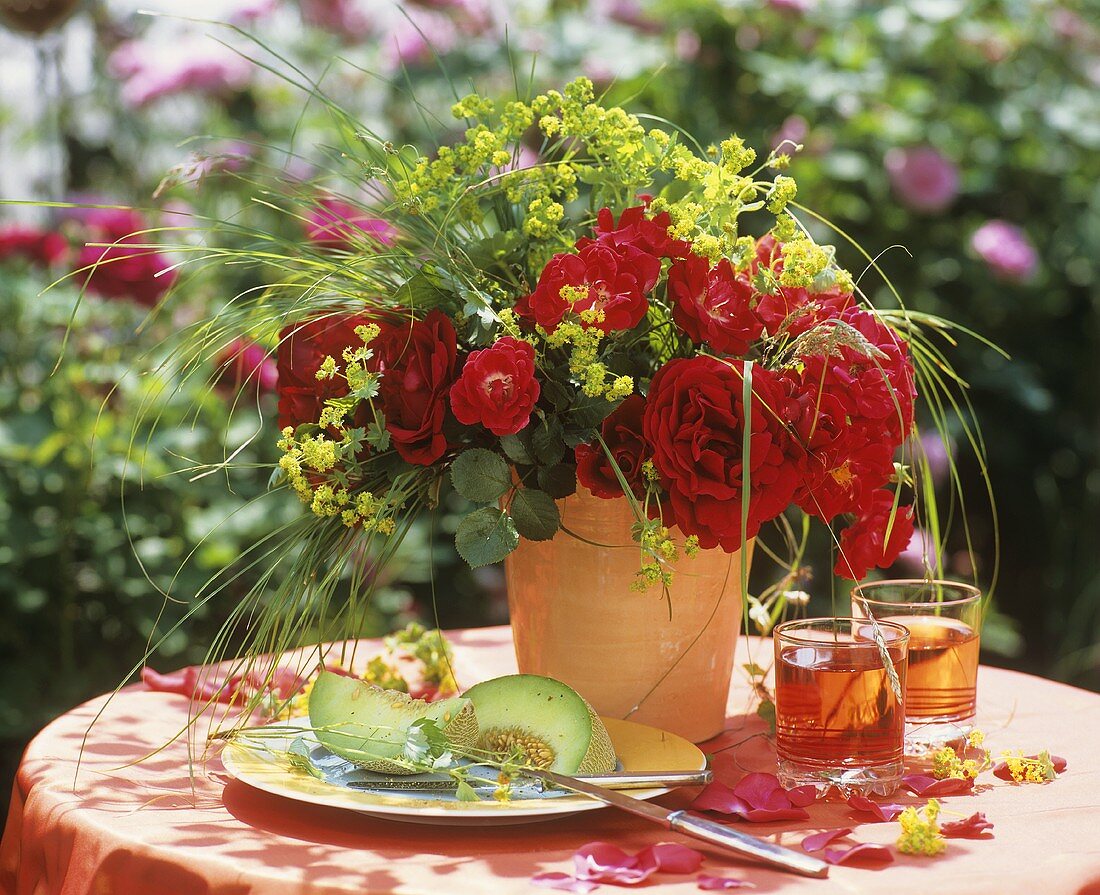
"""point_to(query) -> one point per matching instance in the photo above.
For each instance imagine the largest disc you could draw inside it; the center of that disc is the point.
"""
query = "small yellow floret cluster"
(920, 831)
(946, 762)
(1029, 770)
(659, 552)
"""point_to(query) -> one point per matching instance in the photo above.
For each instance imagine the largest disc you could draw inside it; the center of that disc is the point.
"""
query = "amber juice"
(840, 718)
(943, 668)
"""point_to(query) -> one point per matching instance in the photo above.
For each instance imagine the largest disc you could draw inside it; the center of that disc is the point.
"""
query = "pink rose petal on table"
(973, 827)
(801, 796)
(770, 815)
(924, 786)
(866, 853)
(563, 882)
(719, 797)
(760, 790)
(882, 813)
(757, 797)
(720, 883)
(603, 862)
(670, 857)
(818, 841)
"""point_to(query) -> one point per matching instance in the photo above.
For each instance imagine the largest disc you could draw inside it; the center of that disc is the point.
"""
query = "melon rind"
(368, 725)
(550, 711)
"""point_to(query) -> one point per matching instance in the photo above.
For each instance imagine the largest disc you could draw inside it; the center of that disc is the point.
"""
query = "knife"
(691, 825)
(615, 780)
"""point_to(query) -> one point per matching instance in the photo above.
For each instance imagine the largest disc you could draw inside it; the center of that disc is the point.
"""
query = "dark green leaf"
(547, 442)
(587, 413)
(486, 536)
(535, 514)
(516, 447)
(480, 475)
(766, 711)
(558, 481)
(424, 289)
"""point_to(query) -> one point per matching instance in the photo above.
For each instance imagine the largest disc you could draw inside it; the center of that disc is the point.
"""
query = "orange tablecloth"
(139, 830)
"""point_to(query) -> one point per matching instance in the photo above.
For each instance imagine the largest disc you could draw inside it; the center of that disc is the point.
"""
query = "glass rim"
(786, 630)
(972, 593)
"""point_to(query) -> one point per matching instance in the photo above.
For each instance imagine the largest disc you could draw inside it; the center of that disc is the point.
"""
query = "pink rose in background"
(41, 247)
(797, 6)
(631, 14)
(923, 177)
(334, 224)
(122, 265)
(917, 557)
(249, 12)
(1006, 249)
(687, 45)
(794, 130)
(418, 39)
(345, 18)
(243, 362)
(150, 71)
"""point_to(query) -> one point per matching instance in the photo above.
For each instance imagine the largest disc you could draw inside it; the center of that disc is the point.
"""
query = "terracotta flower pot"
(575, 618)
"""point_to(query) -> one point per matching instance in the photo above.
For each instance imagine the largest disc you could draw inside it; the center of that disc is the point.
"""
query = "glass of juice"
(840, 703)
(944, 621)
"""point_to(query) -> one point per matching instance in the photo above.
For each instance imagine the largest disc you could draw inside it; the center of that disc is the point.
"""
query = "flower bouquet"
(632, 320)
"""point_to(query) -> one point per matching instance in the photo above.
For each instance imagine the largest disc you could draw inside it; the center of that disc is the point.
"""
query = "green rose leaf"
(535, 514)
(517, 451)
(486, 536)
(558, 481)
(547, 442)
(480, 476)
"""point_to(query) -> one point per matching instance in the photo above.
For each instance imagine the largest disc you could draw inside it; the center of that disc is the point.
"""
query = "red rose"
(615, 279)
(794, 310)
(863, 544)
(417, 362)
(695, 420)
(334, 224)
(650, 235)
(878, 391)
(119, 266)
(302, 349)
(713, 304)
(622, 433)
(42, 247)
(498, 387)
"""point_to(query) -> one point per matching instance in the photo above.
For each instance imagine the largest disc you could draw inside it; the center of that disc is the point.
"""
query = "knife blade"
(691, 825)
(614, 780)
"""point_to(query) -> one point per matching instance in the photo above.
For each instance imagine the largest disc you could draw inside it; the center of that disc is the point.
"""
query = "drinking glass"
(944, 620)
(839, 703)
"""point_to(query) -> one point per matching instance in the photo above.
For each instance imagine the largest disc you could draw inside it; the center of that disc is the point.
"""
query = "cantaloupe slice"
(546, 720)
(368, 725)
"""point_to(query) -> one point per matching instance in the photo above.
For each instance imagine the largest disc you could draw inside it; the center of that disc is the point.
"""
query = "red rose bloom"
(616, 278)
(303, 347)
(42, 247)
(794, 310)
(417, 362)
(498, 387)
(713, 304)
(695, 420)
(622, 432)
(338, 225)
(119, 267)
(650, 235)
(863, 544)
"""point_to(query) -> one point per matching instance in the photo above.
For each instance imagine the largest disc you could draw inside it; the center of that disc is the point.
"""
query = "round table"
(120, 826)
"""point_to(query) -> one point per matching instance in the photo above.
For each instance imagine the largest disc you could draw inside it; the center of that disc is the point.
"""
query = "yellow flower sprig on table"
(920, 831)
(947, 763)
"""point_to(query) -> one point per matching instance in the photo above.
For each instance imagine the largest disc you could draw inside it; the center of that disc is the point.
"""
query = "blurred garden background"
(959, 139)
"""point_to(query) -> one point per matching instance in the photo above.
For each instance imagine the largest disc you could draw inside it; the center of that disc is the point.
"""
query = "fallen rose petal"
(770, 815)
(670, 857)
(1000, 769)
(801, 796)
(603, 862)
(883, 813)
(818, 841)
(719, 797)
(864, 853)
(924, 786)
(760, 791)
(563, 882)
(973, 827)
(719, 883)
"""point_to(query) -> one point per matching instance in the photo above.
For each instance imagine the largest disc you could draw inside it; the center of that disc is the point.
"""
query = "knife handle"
(744, 844)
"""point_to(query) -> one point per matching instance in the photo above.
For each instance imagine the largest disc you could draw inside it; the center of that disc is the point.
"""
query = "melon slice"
(368, 725)
(546, 720)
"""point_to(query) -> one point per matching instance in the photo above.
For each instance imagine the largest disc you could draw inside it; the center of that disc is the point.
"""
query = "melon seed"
(506, 741)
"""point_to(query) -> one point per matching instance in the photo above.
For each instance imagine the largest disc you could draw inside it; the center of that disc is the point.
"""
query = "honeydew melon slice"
(368, 725)
(548, 721)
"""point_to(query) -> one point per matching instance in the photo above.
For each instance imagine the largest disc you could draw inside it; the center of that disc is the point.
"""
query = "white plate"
(262, 764)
